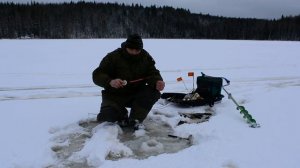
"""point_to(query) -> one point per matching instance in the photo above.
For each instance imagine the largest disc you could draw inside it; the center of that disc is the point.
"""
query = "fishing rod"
(125, 82)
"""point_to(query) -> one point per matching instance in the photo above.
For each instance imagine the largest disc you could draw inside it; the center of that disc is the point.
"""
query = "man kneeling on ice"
(130, 79)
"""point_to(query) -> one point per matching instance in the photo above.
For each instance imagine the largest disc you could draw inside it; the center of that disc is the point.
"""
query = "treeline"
(108, 20)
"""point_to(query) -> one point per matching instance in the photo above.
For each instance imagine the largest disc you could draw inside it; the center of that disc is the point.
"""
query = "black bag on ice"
(208, 92)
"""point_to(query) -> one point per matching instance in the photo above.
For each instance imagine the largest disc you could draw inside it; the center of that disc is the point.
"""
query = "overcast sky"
(233, 8)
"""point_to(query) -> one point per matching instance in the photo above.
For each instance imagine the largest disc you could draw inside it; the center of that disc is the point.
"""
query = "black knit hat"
(133, 41)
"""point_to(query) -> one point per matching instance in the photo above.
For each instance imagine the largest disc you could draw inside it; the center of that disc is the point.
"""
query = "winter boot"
(138, 125)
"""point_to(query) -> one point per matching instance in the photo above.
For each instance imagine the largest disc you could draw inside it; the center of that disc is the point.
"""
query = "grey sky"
(233, 8)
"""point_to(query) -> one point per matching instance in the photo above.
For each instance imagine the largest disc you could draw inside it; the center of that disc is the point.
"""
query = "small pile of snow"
(139, 133)
(104, 143)
(152, 146)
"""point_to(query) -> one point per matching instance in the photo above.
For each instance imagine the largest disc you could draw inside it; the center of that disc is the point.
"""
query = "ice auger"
(248, 118)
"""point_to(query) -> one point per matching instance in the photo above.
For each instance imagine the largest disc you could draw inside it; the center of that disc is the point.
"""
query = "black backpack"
(208, 92)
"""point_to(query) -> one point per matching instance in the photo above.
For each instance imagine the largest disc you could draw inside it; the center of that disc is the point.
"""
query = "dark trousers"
(113, 107)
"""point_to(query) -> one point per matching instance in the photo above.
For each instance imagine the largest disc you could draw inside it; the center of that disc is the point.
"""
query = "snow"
(104, 140)
(46, 89)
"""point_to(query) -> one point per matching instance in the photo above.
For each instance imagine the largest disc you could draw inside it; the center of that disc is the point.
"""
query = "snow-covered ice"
(46, 90)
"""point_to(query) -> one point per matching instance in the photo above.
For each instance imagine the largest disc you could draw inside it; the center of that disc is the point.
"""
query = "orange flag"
(179, 79)
(191, 74)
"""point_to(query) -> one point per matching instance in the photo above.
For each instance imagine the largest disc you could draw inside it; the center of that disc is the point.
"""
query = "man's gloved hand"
(117, 83)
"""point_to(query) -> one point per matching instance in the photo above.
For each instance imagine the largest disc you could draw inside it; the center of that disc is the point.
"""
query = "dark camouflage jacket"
(119, 64)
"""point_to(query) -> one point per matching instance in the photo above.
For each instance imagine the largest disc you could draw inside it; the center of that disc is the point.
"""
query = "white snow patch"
(152, 146)
(104, 142)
